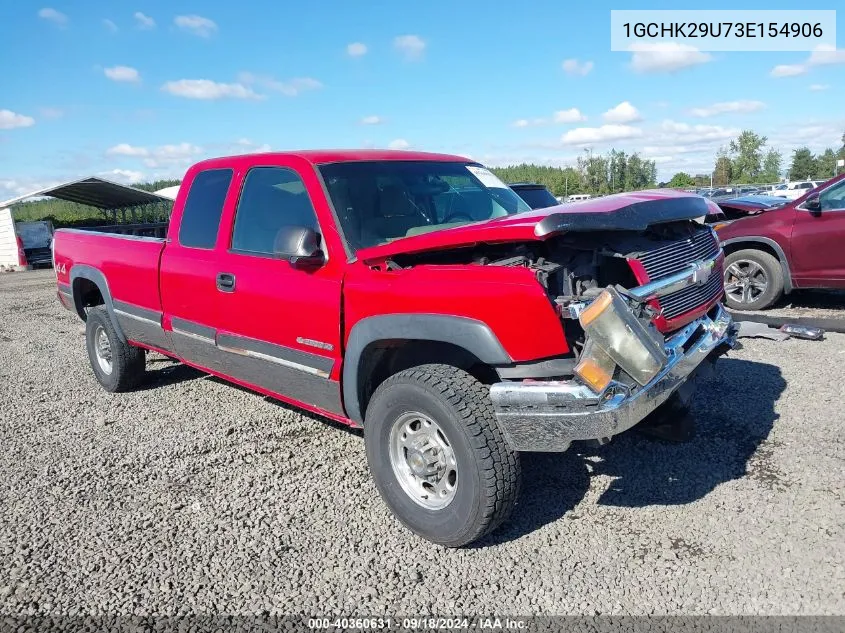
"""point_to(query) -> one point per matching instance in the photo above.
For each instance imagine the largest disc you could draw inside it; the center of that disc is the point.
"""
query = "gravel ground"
(193, 496)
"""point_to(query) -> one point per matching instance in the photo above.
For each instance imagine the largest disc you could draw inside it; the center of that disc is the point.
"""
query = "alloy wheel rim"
(423, 460)
(102, 349)
(745, 281)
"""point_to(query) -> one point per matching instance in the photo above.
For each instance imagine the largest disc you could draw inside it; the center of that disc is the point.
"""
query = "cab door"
(818, 257)
(189, 265)
(279, 324)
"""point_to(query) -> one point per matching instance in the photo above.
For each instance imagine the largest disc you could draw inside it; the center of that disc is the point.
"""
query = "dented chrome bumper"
(548, 416)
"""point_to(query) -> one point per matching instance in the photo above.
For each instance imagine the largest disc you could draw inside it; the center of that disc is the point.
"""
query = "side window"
(203, 208)
(271, 197)
(833, 197)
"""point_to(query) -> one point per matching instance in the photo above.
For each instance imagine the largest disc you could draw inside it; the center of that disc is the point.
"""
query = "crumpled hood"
(620, 212)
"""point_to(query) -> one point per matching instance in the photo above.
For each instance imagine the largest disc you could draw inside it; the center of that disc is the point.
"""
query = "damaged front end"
(638, 302)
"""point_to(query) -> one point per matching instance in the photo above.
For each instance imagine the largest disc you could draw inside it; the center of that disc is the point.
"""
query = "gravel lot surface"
(193, 496)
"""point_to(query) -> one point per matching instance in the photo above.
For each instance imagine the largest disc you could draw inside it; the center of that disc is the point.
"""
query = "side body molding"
(784, 262)
(83, 271)
(470, 334)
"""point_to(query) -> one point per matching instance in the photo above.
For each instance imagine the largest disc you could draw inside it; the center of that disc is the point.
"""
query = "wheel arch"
(766, 245)
(381, 345)
(90, 288)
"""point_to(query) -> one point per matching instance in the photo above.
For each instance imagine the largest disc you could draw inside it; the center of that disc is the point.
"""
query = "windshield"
(380, 201)
(537, 197)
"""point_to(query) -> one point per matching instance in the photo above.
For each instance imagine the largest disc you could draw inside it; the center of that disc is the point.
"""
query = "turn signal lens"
(594, 310)
(595, 367)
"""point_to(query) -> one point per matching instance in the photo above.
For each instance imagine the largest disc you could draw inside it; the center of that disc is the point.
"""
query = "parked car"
(735, 208)
(535, 195)
(782, 248)
(36, 238)
(578, 197)
(414, 295)
(794, 190)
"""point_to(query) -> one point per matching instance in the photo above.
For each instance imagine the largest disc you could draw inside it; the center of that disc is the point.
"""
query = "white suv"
(794, 190)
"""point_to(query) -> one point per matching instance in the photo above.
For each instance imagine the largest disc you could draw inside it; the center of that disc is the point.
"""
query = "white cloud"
(675, 132)
(51, 113)
(246, 146)
(822, 55)
(623, 113)
(196, 24)
(144, 22)
(372, 120)
(110, 25)
(602, 134)
(572, 115)
(122, 73)
(725, 107)
(181, 154)
(51, 15)
(411, 47)
(576, 67)
(819, 87)
(123, 176)
(825, 54)
(125, 149)
(399, 143)
(356, 49)
(10, 120)
(665, 57)
(209, 90)
(788, 70)
(290, 88)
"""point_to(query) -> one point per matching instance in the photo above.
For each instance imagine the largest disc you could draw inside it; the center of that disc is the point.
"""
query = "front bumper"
(548, 416)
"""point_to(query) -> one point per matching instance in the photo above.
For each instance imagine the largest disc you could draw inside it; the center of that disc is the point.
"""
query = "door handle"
(225, 282)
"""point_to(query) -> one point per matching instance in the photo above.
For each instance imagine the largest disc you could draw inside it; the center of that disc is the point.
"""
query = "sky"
(137, 90)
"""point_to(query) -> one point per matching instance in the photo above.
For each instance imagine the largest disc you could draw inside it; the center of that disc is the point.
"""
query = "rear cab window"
(203, 208)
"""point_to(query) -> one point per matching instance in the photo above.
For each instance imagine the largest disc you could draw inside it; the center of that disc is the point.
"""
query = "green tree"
(681, 179)
(771, 166)
(825, 165)
(748, 156)
(723, 171)
(803, 164)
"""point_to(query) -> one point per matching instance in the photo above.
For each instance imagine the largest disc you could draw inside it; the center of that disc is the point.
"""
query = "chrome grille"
(673, 258)
(677, 255)
(685, 300)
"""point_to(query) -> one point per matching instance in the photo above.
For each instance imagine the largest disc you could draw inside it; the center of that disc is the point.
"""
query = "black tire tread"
(128, 362)
(500, 468)
(772, 265)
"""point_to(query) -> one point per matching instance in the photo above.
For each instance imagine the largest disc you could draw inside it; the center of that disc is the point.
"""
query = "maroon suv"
(797, 245)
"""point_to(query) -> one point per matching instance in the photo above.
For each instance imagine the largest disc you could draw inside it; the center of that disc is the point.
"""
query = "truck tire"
(437, 455)
(753, 280)
(117, 365)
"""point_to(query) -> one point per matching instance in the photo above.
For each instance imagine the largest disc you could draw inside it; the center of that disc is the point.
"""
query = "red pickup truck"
(417, 296)
(778, 249)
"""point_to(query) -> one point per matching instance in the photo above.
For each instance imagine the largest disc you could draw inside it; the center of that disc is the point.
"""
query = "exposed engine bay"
(572, 267)
(575, 268)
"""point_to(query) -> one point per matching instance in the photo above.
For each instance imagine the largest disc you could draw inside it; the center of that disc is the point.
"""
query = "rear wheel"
(753, 280)
(437, 455)
(117, 365)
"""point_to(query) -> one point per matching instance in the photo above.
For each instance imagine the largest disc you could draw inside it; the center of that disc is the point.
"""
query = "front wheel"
(437, 455)
(753, 280)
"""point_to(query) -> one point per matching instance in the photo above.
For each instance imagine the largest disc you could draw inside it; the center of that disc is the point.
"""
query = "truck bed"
(129, 263)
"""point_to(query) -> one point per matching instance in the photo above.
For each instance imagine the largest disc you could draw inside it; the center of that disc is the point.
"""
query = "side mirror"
(813, 204)
(300, 245)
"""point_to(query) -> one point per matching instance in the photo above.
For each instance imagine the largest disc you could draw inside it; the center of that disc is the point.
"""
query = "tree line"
(596, 174)
(748, 159)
